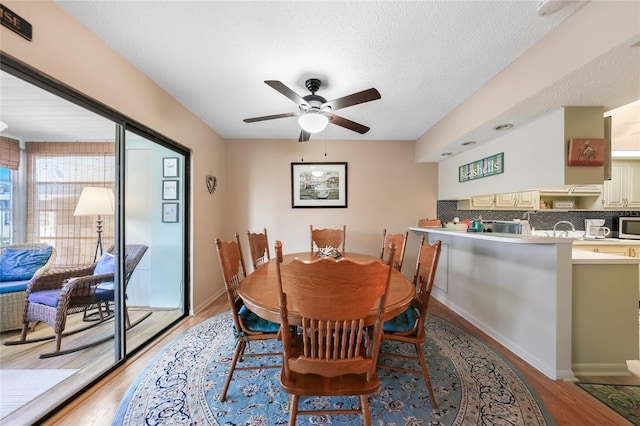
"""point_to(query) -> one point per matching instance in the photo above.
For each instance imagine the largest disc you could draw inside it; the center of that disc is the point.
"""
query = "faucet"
(566, 222)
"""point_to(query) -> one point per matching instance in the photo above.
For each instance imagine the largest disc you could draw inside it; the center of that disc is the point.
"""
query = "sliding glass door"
(112, 199)
(154, 222)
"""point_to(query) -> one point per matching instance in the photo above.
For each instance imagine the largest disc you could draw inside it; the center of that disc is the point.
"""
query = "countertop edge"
(489, 236)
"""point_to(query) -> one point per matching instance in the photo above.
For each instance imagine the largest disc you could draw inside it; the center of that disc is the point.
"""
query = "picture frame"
(586, 152)
(170, 167)
(319, 185)
(170, 212)
(170, 189)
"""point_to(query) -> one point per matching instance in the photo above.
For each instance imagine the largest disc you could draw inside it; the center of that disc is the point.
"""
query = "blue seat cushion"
(105, 292)
(45, 297)
(21, 264)
(13, 286)
(255, 323)
(403, 322)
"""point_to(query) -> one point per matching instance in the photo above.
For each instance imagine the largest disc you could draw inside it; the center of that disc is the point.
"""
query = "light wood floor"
(90, 362)
(566, 402)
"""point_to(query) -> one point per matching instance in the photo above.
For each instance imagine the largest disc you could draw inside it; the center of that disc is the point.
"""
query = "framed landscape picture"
(318, 185)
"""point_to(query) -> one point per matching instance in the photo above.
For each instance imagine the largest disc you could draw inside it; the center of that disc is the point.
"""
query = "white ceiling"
(424, 57)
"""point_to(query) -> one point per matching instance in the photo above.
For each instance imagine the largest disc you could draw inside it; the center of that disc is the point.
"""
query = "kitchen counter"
(519, 290)
(495, 236)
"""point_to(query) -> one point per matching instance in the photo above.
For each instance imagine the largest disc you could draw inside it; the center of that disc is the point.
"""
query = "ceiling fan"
(315, 112)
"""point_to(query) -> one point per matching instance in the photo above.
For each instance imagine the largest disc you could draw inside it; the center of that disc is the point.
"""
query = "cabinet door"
(482, 202)
(614, 189)
(519, 200)
(506, 200)
(529, 200)
(633, 185)
(623, 190)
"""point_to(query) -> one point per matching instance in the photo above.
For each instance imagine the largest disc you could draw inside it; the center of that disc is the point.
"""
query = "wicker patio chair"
(54, 295)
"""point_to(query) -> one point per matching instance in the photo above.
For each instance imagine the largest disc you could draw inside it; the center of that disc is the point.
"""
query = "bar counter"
(518, 289)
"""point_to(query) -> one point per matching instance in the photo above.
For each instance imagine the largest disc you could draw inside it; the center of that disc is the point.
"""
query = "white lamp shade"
(95, 202)
(313, 122)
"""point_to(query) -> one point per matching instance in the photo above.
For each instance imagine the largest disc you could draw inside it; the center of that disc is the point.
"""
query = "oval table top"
(259, 290)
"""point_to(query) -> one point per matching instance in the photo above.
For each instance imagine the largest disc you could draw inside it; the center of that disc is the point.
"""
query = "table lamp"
(96, 202)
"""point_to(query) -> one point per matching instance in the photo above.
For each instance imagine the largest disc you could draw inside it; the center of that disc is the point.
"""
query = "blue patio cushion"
(45, 297)
(21, 264)
(255, 323)
(403, 322)
(105, 292)
(13, 286)
(106, 264)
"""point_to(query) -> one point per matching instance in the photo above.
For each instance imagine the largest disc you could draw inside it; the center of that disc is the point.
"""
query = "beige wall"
(386, 189)
(66, 51)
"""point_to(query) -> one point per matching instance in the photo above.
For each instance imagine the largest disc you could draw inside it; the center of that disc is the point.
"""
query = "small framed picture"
(170, 167)
(169, 189)
(170, 212)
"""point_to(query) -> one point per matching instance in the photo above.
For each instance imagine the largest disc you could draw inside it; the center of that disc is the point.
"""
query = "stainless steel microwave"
(629, 227)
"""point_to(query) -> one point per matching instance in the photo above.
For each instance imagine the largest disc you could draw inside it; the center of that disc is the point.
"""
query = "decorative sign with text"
(489, 166)
(14, 22)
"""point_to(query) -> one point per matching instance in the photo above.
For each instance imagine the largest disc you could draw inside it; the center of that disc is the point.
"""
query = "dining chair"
(259, 248)
(321, 238)
(400, 241)
(408, 327)
(332, 344)
(247, 326)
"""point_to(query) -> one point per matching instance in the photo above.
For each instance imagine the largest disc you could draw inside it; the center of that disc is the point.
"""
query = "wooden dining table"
(259, 291)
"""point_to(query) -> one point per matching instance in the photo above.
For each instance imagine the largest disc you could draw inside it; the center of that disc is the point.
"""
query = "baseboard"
(586, 370)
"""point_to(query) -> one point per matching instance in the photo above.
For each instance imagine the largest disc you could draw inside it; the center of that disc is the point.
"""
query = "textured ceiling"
(425, 58)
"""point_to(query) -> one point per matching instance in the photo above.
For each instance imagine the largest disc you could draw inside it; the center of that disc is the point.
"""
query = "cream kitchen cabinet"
(622, 192)
(519, 200)
(528, 200)
(623, 248)
(482, 202)
(604, 248)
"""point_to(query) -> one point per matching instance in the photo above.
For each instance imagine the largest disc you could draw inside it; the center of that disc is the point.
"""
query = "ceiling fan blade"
(270, 117)
(280, 87)
(348, 124)
(304, 136)
(354, 99)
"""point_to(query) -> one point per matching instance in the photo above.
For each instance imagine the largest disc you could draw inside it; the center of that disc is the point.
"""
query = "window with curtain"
(56, 174)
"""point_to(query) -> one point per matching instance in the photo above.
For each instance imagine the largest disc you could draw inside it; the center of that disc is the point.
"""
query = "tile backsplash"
(539, 219)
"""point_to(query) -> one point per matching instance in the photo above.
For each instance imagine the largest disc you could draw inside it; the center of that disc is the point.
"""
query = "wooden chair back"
(423, 278)
(321, 238)
(259, 248)
(400, 242)
(333, 299)
(410, 325)
(233, 272)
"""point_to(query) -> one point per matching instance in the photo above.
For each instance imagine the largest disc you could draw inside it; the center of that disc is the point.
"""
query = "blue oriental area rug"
(473, 385)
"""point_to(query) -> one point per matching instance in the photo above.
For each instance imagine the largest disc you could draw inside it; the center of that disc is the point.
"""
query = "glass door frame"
(121, 124)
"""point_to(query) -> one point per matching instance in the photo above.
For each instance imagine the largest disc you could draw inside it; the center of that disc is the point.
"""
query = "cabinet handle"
(633, 252)
(596, 250)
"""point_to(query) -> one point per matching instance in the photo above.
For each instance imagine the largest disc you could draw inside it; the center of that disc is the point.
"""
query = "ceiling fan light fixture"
(313, 122)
